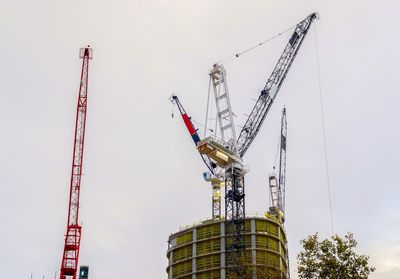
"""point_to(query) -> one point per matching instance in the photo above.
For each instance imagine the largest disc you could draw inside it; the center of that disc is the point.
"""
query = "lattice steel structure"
(234, 204)
(69, 264)
(226, 124)
(274, 83)
(235, 243)
(277, 186)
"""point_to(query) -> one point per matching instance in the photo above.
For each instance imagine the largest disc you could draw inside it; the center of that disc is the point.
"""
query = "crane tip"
(172, 98)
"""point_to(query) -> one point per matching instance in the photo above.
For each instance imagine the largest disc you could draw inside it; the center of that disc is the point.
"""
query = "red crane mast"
(69, 264)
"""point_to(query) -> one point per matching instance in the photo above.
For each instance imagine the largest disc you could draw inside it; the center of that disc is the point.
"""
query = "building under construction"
(235, 245)
(198, 251)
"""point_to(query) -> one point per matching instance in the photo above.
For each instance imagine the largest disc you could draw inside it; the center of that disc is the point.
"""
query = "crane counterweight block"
(186, 119)
(191, 129)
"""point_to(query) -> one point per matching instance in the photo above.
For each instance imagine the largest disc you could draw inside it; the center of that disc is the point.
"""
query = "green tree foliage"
(332, 258)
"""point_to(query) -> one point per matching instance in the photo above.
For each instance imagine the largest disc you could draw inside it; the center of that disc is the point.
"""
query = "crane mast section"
(70, 258)
(235, 220)
(271, 88)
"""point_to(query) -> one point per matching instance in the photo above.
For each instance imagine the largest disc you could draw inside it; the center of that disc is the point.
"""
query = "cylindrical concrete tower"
(197, 251)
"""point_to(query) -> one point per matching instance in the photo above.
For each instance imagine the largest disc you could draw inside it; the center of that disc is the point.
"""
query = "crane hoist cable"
(323, 129)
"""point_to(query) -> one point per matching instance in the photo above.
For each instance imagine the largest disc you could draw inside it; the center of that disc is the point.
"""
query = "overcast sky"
(142, 176)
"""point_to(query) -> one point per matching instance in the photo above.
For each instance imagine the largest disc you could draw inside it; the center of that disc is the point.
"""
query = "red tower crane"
(69, 264)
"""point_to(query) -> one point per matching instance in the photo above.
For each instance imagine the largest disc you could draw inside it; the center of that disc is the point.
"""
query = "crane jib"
(271, 89)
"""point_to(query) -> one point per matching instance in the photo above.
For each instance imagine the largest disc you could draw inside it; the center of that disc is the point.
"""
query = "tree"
(332, 258)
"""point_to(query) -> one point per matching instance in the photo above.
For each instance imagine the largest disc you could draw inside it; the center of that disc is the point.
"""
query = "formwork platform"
(197, 251)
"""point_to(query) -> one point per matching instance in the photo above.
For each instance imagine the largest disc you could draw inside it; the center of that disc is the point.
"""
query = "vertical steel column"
(253, 247)
(222, 238)
(194, 253)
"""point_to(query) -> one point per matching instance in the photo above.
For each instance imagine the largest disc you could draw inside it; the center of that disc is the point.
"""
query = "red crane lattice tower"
(69, 264)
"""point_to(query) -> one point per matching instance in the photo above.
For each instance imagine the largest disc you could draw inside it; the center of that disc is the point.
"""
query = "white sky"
(142, 174)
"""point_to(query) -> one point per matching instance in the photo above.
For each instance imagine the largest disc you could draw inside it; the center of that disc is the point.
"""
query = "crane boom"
(277, 185)
(282, 161)
(69, 264)
(268, 94)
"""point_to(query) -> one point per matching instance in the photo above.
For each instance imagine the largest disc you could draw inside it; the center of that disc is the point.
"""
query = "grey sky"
(142, 175)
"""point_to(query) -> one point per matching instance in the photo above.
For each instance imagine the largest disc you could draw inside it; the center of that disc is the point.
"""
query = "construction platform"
(198, 251)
